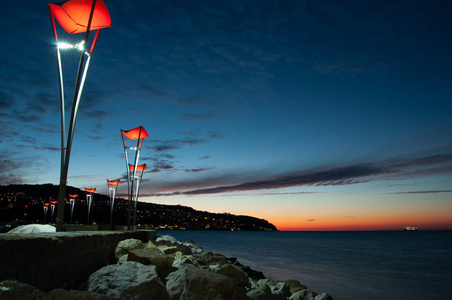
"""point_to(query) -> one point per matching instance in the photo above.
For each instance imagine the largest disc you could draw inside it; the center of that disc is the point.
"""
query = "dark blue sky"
(252, 107)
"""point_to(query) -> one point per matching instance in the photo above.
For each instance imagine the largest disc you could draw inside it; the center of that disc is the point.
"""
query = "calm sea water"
(346, 265)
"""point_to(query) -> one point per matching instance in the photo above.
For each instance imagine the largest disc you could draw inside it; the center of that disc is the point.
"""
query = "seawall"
(61, 259)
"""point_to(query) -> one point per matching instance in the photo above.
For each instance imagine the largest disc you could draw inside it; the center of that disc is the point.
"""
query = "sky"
(313, 115)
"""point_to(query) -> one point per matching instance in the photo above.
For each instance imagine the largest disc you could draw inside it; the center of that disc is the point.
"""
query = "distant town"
(26, 203)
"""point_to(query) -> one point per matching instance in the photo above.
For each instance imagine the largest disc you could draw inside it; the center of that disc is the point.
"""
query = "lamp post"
(74, 16)
(46, 208)
(89, 200)
(136, 174)
(52, 208)
(130, 147)
(112, 187)
(72, 202)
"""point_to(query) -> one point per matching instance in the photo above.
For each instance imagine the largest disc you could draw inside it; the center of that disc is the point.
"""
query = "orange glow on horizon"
(357, 224)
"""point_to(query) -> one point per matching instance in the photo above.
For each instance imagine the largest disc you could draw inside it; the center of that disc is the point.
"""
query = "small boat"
(410, 228)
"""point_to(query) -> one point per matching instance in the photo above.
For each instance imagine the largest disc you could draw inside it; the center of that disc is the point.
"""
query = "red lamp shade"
(73, 15)
(90, 190)
(54, 202)
(136, 133)
(115, 182)
(73, 196)
(139, 168)
(46, 204)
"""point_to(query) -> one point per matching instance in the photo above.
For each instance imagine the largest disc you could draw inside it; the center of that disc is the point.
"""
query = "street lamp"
(136, 174)
(112, 187)
(52, 208)
(89, 200)
(46, 208)
(72, 202)
(131, 148)
(74, 16)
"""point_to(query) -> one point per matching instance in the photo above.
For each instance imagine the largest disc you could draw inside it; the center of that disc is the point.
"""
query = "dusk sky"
(313, 115)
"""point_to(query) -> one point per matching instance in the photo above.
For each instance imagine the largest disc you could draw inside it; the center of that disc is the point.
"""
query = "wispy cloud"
(423, 192)
(338, 176)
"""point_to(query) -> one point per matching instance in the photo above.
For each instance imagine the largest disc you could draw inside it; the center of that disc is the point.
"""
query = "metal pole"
(75, 104)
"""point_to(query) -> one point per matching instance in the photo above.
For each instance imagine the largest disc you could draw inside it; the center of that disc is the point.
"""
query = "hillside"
(25, 202)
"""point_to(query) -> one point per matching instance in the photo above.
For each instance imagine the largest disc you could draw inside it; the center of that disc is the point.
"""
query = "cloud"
(166, 161)
(197, 170)
(337, 176)
(423, 192)
(310, 220)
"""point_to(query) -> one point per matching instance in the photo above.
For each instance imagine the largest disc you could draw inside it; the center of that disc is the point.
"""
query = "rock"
(171, 249)
(151, 256)
(260, 293)
(15, 290)
(255, 275)
(149, 290)
(113, 279)
(166, 240)
(60, 294)
(123, 259)
(323, 296)
(168, 249)
(280, 289)
(32, 228)
(180, 262)
(303, 295)
(190, 282)
(295, 285)
(149, 244)
(239, 276)
(125, 246)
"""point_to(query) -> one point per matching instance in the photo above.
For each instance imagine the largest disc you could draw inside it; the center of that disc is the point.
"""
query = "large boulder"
(261, 292)
(125, 246)
(295, 285)
(190, 282)
(151, 256)
(238, 275)
(113, 279)
(149, 290)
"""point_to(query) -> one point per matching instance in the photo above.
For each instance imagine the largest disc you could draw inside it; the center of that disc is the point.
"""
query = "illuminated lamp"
(46, 208)
(136, 174)
(72, 203)
(112, 187)
(132, 140)
(89, 199)
(52, 207)
(74, 16)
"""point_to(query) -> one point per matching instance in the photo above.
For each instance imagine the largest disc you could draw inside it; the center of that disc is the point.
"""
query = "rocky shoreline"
(168, 269)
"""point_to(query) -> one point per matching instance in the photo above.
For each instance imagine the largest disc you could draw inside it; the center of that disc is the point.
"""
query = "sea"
(372, 265)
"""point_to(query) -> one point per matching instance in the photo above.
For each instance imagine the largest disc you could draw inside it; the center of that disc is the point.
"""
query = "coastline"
(171, 269)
